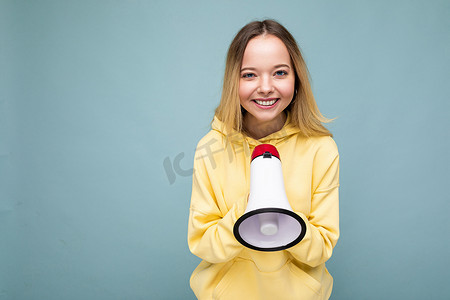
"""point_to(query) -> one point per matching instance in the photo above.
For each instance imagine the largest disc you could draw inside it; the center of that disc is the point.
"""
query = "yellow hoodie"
(220, 188)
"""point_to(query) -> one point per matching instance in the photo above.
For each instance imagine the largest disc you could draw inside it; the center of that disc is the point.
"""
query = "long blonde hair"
(304, 111)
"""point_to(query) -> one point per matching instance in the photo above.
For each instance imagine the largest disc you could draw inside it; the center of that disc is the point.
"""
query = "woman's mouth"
(266, 103)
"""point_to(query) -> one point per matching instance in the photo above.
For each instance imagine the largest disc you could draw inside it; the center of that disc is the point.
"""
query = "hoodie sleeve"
(210, 228)
(322, 225)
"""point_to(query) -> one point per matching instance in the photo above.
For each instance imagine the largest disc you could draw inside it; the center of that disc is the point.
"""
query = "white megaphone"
(269, 223)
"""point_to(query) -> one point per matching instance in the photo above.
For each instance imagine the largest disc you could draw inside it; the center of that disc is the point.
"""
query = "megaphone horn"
(268, 223)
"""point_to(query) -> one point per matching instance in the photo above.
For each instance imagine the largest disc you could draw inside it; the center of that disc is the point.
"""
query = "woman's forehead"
(265, 50)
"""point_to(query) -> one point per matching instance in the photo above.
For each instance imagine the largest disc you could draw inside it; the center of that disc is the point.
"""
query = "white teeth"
(266, 103)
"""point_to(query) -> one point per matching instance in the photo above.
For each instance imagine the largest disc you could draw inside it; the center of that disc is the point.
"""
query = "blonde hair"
(304, 111)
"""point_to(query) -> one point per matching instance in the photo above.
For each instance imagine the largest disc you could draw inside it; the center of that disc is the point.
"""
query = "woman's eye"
(280, 73)
(248, 75)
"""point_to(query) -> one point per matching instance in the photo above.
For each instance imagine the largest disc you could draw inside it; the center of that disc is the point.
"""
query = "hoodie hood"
(274, 139)
(238, 140)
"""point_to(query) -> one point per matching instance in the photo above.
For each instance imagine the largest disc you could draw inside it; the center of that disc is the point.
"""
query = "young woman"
(266, 98)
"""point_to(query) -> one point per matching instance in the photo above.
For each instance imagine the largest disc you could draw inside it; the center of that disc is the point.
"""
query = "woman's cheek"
(245, 90)
(287, 89)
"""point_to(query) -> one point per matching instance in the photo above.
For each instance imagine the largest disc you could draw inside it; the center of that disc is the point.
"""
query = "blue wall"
(103, 102)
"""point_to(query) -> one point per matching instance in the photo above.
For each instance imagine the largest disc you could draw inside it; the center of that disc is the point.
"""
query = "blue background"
(103, 102)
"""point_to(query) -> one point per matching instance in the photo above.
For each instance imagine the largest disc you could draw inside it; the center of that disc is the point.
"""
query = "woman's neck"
(257, 130)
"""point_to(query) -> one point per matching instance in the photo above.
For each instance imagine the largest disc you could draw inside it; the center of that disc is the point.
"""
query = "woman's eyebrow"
(275, 67)
(248, 68)
(282, 65)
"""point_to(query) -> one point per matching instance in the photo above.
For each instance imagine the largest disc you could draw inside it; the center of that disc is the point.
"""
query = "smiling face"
(266, 84)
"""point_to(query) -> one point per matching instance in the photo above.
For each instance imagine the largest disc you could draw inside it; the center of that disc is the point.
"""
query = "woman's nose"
(265, 86)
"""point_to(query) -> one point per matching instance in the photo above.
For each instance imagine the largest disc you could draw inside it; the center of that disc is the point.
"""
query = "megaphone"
(268, 223)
